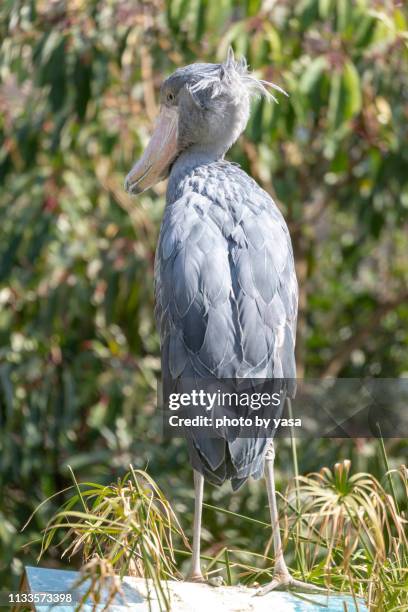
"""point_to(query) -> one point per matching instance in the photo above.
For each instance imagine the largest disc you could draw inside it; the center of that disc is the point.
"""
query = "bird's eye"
(170, 97)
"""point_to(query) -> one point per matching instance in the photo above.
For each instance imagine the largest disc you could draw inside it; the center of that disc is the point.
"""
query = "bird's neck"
(189, 159)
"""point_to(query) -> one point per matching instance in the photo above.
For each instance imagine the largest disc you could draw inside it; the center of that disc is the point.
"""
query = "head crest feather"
(234, 72)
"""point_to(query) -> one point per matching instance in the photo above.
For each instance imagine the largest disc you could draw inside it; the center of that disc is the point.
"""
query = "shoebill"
(225, 283)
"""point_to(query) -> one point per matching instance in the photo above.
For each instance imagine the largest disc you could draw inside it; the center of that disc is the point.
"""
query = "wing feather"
(226, 298)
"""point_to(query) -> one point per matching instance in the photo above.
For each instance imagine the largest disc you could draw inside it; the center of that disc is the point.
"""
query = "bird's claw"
(286, 582)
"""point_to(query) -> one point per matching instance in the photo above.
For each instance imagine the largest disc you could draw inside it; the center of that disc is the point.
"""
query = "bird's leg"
(195, 574)
(281, 569)
(282, 579)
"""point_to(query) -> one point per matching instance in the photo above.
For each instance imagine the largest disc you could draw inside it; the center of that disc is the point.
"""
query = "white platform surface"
(185, 596)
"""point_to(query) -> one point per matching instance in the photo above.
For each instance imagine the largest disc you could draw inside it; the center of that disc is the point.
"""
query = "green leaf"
(325, 8)
(308, 11)
(334, 110)
(400, 21)
(272, 37)
(201, 19)
(83, 78)
(234, 33)
(353, 97)
(312, 74)
(255, 125)
(345, 96)
(343, 14)
(53, 70)
(253, 7)
(364, 31)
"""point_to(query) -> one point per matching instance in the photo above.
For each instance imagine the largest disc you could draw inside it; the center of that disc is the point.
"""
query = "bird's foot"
(195, 577)
(215, 581)
(283, 581)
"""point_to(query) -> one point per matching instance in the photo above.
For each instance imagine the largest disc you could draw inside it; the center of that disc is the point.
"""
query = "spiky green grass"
(341, 530)
(126, 528)
(353, 535)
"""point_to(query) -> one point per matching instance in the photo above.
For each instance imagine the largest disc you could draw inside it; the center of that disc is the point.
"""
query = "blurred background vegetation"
(78, 346)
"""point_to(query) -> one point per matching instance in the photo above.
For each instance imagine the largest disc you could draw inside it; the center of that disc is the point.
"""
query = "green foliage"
(352, 534)
(125, 529)
(78, 347)
(345, 527)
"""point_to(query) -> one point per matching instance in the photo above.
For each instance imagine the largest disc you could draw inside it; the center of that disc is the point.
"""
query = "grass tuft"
(122, 529)
(352, 534)
(341, 530)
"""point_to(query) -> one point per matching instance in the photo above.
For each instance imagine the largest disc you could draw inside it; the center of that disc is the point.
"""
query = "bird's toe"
(288, 583)
(306, 587)
(271, 586)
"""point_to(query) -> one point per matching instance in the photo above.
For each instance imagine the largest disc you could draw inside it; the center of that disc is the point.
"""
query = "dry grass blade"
(101, 585)
(126, 528)
(362, 543)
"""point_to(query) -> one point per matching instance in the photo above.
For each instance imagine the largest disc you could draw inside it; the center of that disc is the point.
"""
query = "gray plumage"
(226, 296)
(225, 283)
